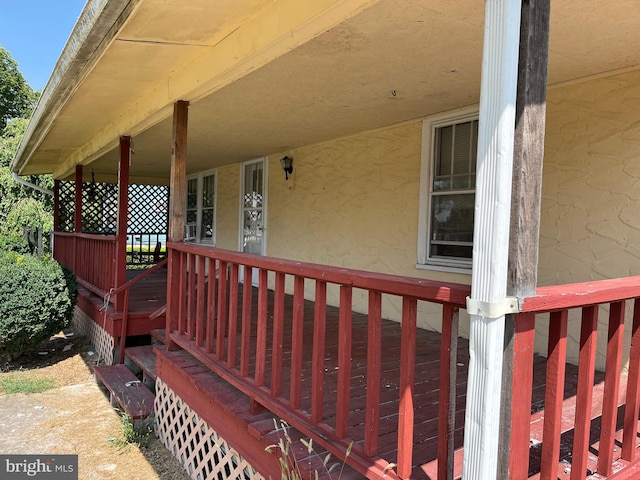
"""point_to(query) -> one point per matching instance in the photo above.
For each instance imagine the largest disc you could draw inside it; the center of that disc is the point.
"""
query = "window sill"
(444, 268)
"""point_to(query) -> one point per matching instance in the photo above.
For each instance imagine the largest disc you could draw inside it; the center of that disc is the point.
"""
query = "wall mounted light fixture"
(287, 166)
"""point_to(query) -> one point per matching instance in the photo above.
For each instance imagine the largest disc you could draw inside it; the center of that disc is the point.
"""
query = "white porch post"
(488, 303)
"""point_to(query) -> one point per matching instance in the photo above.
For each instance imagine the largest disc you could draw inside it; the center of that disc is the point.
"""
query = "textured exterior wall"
(590, 226)
(353, 202)
(228, 198)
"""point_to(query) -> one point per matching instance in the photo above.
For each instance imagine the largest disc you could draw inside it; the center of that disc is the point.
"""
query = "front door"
(253, 208)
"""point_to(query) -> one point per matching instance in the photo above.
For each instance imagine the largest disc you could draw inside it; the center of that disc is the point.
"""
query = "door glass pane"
(252, 241)
(252, 232)
(206, 228)
(208, 191)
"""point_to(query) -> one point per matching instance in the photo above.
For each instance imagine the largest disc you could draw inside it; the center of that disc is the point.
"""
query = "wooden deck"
(146, 298)
(426, 392)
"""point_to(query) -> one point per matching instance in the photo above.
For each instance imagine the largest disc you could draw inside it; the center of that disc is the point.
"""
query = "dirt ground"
(75, 417)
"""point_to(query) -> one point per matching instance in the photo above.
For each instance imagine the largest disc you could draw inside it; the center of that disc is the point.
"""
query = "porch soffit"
(336, 75)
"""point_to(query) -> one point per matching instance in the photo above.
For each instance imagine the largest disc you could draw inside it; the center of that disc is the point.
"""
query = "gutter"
(30, 185)
(94, 31)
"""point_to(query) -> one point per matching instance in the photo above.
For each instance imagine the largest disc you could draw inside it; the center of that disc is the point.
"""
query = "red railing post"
(344, 361)
(374, 362)
(222, 310)
(611, 388)
(586, 372)
(521, 395)
(554, 394)
(407, 377)
(233, 315)
(296, 342)
(632, 409)
(447, 404)
(278, 334)
(319, 337)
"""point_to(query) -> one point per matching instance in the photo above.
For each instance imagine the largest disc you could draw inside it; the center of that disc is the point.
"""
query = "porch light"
(287, 166)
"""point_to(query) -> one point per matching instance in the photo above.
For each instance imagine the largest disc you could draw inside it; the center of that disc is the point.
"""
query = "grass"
(12, 384)
(133, 433)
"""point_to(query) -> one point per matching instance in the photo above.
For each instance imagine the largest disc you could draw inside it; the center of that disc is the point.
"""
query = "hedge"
(36, 301)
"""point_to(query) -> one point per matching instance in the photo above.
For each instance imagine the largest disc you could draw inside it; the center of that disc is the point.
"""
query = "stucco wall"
(590, 228)
(353, 202)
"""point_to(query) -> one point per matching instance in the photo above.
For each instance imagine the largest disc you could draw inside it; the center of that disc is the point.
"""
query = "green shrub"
(14, 243)
(35, 301)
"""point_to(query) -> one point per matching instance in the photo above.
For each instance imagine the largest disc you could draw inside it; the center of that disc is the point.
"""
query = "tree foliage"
(17, 98)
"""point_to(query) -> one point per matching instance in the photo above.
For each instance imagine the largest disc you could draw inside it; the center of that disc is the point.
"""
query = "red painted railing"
(201, 313)
(615, 448)
(91, 257)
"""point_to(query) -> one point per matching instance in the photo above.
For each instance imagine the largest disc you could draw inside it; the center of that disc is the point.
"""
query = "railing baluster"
(211, 306)
(245, 348)
(374, 354)
(632, 409)
(261, 341)
(317, 369)
(182, 294)
(222, 309)
(233, 315)
(586, 372)
(191, 296)
(278, 334)
(521, 395)
(296, 342)
(344, 361)
(201, 297)
(611, 388)
(447, 403)
(407, 376)
(554, 395)
(173, 291)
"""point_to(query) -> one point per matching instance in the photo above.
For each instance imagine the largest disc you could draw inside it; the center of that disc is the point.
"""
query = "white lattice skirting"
(102, 342)
(202, 452)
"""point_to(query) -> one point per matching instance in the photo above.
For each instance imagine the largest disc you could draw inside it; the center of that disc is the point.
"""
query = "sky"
(35, 32)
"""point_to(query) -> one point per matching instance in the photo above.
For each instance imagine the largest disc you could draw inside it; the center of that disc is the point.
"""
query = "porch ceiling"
(393, 61)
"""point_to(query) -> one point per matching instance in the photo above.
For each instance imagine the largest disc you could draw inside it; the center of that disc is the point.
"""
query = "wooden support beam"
(178, 181)
(123, 215)
(177, 210)
(526, 189)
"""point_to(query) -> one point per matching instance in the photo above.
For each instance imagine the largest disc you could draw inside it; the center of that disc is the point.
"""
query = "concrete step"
(125, 390)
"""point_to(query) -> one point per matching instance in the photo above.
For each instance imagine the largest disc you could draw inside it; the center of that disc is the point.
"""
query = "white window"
(201, 208)
(448, 182)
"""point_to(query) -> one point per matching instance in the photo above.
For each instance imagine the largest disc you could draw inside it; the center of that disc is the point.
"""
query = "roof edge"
(96, 27)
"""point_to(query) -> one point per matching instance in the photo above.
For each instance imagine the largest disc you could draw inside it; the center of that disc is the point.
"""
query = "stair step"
(159, 335)
(144, 357)
(126, 390)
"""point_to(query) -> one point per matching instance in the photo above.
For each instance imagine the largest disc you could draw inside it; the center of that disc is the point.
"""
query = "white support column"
(488, 301)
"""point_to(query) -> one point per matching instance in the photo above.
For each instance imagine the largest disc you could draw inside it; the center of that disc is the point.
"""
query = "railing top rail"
(429, 290)
(88, 236)
(573, 295)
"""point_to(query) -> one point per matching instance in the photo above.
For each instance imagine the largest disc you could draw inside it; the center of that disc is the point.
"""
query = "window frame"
(199, 177)
(427, 173)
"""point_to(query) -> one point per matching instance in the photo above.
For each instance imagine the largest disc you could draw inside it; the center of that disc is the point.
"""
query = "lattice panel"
(67, 194)
(102, 342)
(99, 207)
(148, 208)
(202, 452)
